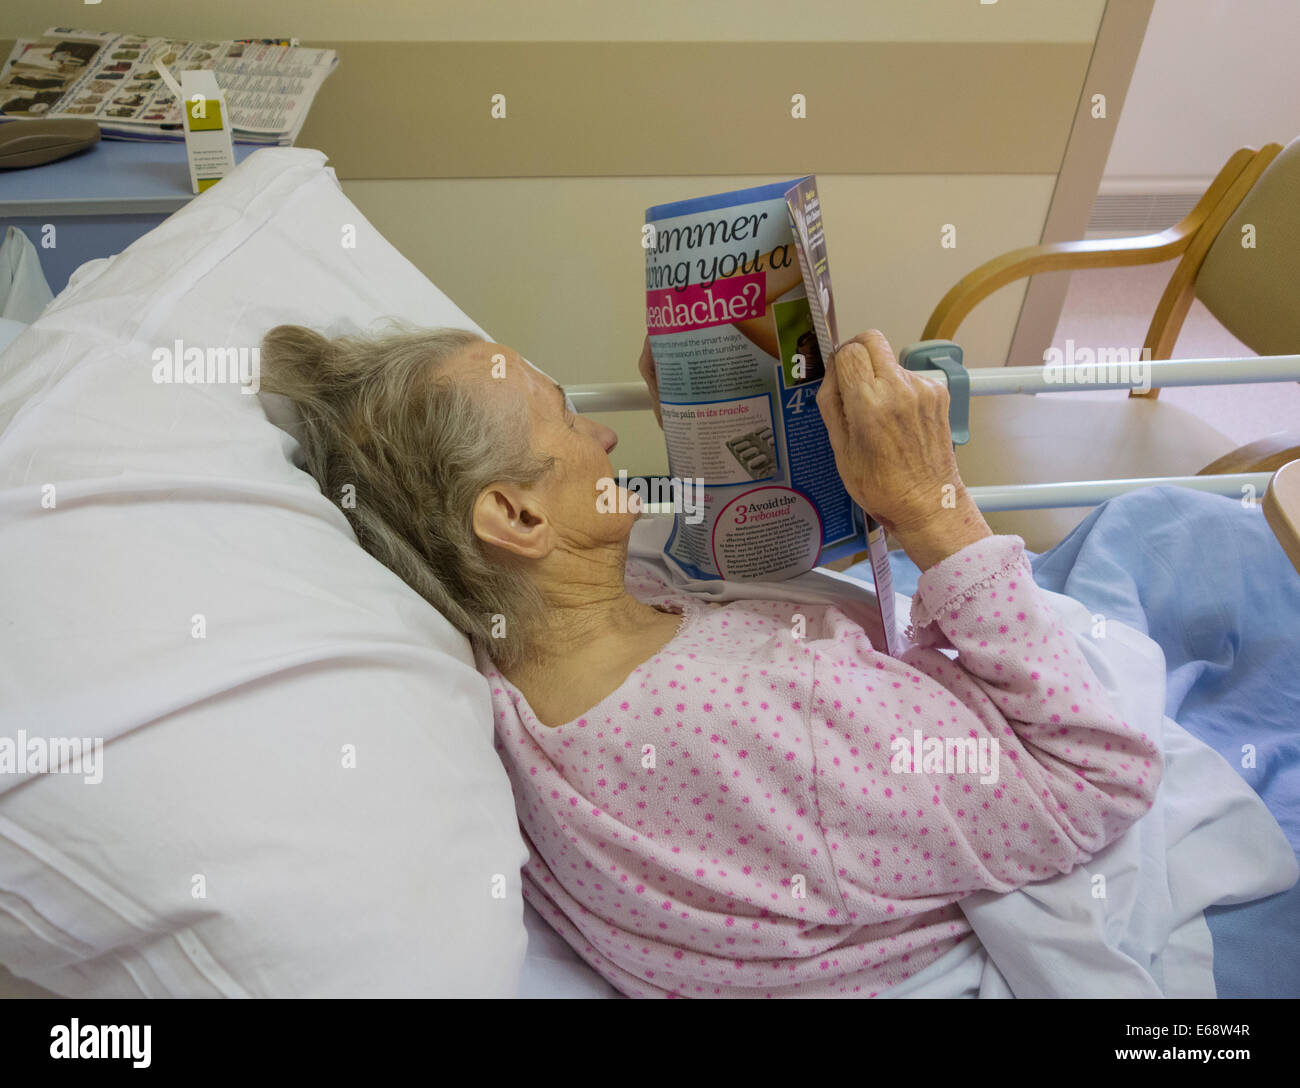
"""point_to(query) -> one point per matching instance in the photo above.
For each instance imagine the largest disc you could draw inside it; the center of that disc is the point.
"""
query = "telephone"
(32, 143)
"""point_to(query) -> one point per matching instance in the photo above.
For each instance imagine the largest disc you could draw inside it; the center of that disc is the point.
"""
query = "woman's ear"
(510, 517)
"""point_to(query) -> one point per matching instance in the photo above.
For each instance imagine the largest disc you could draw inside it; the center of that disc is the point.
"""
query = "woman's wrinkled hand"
(646, 364)
(893, 448)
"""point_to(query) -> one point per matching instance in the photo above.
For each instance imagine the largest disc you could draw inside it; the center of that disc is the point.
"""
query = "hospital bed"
(191, 598)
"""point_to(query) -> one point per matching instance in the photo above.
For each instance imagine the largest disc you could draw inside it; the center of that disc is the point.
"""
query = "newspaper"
(741, 316)
(113, 79)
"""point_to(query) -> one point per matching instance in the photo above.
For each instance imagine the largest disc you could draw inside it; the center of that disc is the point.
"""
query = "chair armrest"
(1282, 509)
(1267, 454)
(976, 286)
(1164, 245)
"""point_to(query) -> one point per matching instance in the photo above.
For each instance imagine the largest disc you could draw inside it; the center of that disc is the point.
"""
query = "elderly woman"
(713, 795)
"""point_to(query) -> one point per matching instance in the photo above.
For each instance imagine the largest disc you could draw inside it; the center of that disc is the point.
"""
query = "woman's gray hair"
(382, 413)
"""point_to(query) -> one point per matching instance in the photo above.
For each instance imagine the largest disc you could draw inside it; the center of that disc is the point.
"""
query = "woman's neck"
(594, 635)
(576, 627)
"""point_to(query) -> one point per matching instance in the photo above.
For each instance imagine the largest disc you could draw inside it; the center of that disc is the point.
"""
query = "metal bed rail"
(1060, 378)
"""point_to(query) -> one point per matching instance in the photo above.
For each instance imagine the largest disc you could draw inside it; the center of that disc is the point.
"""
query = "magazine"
(741, 316)
(113, 79)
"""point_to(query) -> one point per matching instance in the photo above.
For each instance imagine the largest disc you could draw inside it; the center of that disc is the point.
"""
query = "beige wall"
(576, 310)
(575, 20)
(1212, 77)
(491, 242)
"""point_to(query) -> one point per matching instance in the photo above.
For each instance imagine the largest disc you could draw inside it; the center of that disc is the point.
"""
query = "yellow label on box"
(203, 115)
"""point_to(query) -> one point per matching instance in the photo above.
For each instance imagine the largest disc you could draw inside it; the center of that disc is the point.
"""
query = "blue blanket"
(1204, 577)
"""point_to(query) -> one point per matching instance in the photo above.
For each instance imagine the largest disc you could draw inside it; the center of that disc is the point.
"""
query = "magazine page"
(114, 80)
(739, 360)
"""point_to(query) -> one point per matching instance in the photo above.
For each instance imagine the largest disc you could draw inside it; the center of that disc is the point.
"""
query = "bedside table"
(1282, 509)
(99, 200)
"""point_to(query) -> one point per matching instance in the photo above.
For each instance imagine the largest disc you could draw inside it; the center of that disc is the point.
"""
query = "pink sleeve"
(1027, 681)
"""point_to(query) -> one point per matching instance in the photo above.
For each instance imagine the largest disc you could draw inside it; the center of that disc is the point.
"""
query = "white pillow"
(229, 849)
(24, 291)
(9, 331)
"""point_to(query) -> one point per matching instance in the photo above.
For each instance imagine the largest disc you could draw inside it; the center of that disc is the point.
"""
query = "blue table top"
(111, 177)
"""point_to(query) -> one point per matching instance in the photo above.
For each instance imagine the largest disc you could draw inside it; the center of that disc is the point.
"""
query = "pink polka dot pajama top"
(728, 822)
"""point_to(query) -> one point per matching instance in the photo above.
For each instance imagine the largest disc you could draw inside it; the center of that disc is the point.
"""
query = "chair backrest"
(1234, 184)
(1250, 279)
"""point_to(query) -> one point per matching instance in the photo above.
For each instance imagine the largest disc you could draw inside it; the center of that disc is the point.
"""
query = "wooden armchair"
(1251, 290)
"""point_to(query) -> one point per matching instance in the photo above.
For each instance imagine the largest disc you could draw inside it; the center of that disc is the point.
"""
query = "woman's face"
(579, 496)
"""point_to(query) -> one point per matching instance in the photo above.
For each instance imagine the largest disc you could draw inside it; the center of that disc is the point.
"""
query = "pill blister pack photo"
(755, 452)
